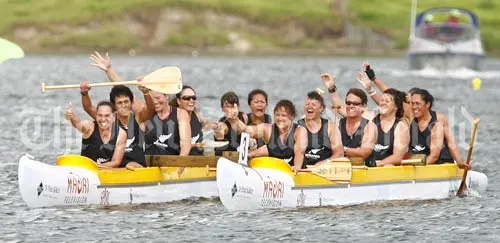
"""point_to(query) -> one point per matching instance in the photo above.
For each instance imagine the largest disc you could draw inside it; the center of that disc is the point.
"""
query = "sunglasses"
(187, 98)
(353, 103)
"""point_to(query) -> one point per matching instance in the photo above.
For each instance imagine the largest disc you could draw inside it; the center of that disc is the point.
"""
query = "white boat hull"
(245, 188)
(43, 185)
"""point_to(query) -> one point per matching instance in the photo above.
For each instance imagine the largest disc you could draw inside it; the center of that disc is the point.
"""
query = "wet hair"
(106, 103)
(120, 90)
(426, 96)
(359, 93)
(399, 98)
(230, 98)
(288, 105)
(256, 92)
(412, 90)
(173, 102)
(313, 95)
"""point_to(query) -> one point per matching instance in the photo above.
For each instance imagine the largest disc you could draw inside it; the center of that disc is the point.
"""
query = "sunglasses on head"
(187, 98)
(353, 103)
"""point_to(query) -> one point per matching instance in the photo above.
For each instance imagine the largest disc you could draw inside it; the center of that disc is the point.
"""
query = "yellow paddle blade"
(335, 171)
(167, 80)
(9, 50)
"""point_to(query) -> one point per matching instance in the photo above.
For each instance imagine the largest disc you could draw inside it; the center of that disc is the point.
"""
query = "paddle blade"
(9, 50)
(167, 80)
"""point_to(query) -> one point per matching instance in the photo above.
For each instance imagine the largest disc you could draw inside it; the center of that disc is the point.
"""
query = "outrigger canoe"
(270, 183)
(76, 180)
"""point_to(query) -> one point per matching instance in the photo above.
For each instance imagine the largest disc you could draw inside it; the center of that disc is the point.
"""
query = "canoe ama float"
(76, 180)
(270, 183)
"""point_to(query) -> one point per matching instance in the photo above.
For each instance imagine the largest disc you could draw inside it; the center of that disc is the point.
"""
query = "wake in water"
(428, 72)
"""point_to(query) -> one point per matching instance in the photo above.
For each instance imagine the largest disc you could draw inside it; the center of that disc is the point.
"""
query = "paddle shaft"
(461, 189)
(73, 86)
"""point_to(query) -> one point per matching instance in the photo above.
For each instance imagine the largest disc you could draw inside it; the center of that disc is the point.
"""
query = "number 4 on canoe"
(167, 80)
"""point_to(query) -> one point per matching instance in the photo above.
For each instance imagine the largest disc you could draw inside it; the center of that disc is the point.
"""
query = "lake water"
(33, 123)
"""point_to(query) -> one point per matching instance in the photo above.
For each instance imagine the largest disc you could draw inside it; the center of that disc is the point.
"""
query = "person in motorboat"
(284, 139)
(453, 17)
(329, 82)
(230, 104)
(393, 135)
(427, 132)
(369, 75)
(103, 141)
(430, 30)
(169, 131)
(187, 100)
(133, 123)
(257, 101)
(323, 136)
(358, 133)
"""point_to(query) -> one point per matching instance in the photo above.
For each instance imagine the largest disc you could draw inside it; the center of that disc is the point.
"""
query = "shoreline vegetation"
(225, 27)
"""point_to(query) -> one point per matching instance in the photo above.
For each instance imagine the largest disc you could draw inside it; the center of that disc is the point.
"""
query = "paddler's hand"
(69, 112)
(85, 87)
(296, 170)
(328, 80)
(369, 71)
(103, 63)
(141, 86)
(462, 165)
(365, 82)
(232, 113)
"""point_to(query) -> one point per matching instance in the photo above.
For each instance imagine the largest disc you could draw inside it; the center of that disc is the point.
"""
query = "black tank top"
(354, 141)
(277, 149)
(134, 150)
(318, 144)
(232, 136)
(267, 119)
(162, 136)
(385, 141)
(94, 148)
(196, 134)
(420, 141)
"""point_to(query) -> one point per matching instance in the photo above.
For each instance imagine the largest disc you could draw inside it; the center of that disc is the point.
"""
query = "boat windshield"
(446, 32)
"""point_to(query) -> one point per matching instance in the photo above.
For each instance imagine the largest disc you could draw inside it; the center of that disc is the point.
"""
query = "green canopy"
(9, 50)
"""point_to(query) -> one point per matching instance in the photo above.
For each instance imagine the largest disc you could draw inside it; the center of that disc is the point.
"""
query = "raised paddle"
(167, 80)
(461, 189)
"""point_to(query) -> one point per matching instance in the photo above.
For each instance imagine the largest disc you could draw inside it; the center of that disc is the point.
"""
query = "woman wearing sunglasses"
(323, 136)
(358, 134)
(284, 139)
(187, 100)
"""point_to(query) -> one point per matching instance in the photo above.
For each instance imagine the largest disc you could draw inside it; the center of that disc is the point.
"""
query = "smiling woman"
(358, 133)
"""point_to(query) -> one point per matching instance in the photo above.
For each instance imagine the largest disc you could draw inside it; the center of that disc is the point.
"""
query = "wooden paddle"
(167, 80)
(214, 144)
(461, 189)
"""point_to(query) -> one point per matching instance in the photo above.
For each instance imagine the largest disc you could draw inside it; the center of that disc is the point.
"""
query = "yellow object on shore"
(476, 83)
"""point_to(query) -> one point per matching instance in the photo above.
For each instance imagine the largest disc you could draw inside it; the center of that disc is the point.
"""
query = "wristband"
(332, 90)
(84, 93)
(372, 93)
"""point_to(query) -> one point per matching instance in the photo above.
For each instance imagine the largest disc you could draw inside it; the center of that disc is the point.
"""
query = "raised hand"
(328, 80)
(369, 71)
(69, 112)
(141, 86)
(103, 63)
(365, 82)
(84, 87)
